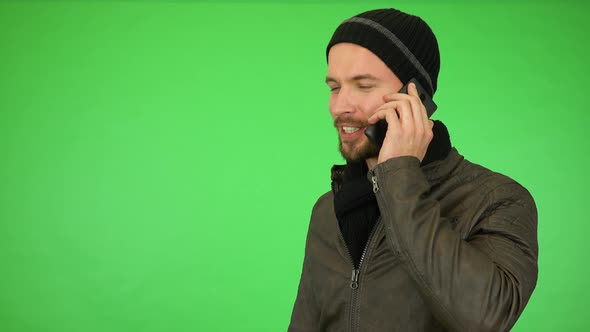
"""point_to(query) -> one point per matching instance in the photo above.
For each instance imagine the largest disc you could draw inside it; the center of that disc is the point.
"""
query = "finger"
(402, 110)
(412, 90)
(379, 113)
(406, 116)
(394, 126)
(395, 96)
(389, 115)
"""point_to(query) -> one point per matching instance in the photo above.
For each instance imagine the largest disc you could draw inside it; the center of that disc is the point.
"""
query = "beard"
(357, 151)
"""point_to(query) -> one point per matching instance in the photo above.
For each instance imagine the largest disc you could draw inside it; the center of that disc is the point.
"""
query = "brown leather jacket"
(455, 249)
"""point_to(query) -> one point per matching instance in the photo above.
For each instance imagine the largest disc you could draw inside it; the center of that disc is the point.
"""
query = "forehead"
(347, 60)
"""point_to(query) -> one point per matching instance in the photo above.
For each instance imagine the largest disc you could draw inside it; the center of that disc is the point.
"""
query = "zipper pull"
(354, 280)
(375, 186)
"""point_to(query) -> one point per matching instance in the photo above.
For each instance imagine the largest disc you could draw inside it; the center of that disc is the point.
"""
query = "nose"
(341, 103)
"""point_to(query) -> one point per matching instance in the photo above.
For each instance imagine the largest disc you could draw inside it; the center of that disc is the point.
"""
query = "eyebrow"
(354, 78)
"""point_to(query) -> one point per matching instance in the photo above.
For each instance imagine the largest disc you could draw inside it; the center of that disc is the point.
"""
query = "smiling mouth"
(350, 130)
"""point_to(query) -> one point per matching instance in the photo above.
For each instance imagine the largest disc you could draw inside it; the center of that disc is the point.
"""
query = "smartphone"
(376, 132)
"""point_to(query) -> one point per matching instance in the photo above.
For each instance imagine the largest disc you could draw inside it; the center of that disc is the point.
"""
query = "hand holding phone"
(376, 132)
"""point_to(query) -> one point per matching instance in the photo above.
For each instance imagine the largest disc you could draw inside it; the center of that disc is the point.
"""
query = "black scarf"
(355, 203)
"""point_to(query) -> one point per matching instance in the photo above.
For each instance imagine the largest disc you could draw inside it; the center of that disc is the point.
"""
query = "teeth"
(350, 130)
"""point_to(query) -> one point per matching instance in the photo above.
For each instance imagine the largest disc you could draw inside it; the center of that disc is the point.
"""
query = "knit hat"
(404, 42)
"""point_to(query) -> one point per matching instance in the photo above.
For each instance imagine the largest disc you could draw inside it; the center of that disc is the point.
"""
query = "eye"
(366, 87)
(334, 88)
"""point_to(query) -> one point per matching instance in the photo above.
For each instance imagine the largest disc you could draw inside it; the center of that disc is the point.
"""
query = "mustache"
(349, 120)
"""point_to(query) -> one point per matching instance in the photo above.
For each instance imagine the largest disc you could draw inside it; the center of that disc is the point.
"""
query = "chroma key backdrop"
(159, 159)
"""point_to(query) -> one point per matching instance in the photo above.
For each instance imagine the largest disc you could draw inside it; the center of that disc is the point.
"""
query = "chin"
(354, 153)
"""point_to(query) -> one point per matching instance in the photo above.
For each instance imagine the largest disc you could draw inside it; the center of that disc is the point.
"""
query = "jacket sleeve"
(305, 315)
(480, 281)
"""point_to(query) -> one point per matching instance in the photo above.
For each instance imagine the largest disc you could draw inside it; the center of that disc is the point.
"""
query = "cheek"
(371, 104)
(366, 103)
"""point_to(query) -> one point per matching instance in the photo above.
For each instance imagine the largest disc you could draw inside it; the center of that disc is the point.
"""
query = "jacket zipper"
(354, 283)
(354, 279)
(374, 180)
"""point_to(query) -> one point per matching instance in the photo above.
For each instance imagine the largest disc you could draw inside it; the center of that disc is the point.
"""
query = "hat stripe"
(393, 38)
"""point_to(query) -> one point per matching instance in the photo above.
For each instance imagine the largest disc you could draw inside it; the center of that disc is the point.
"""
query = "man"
(412, 237)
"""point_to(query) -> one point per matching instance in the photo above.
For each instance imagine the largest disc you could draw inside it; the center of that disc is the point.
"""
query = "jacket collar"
(435, 171)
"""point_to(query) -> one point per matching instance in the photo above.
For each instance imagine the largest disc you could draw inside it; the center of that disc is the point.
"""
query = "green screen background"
(159, 159)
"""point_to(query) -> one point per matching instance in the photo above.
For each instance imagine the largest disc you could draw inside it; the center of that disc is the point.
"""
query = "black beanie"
(404, 42)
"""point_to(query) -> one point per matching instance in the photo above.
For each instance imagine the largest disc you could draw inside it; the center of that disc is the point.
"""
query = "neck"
(371, 162)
